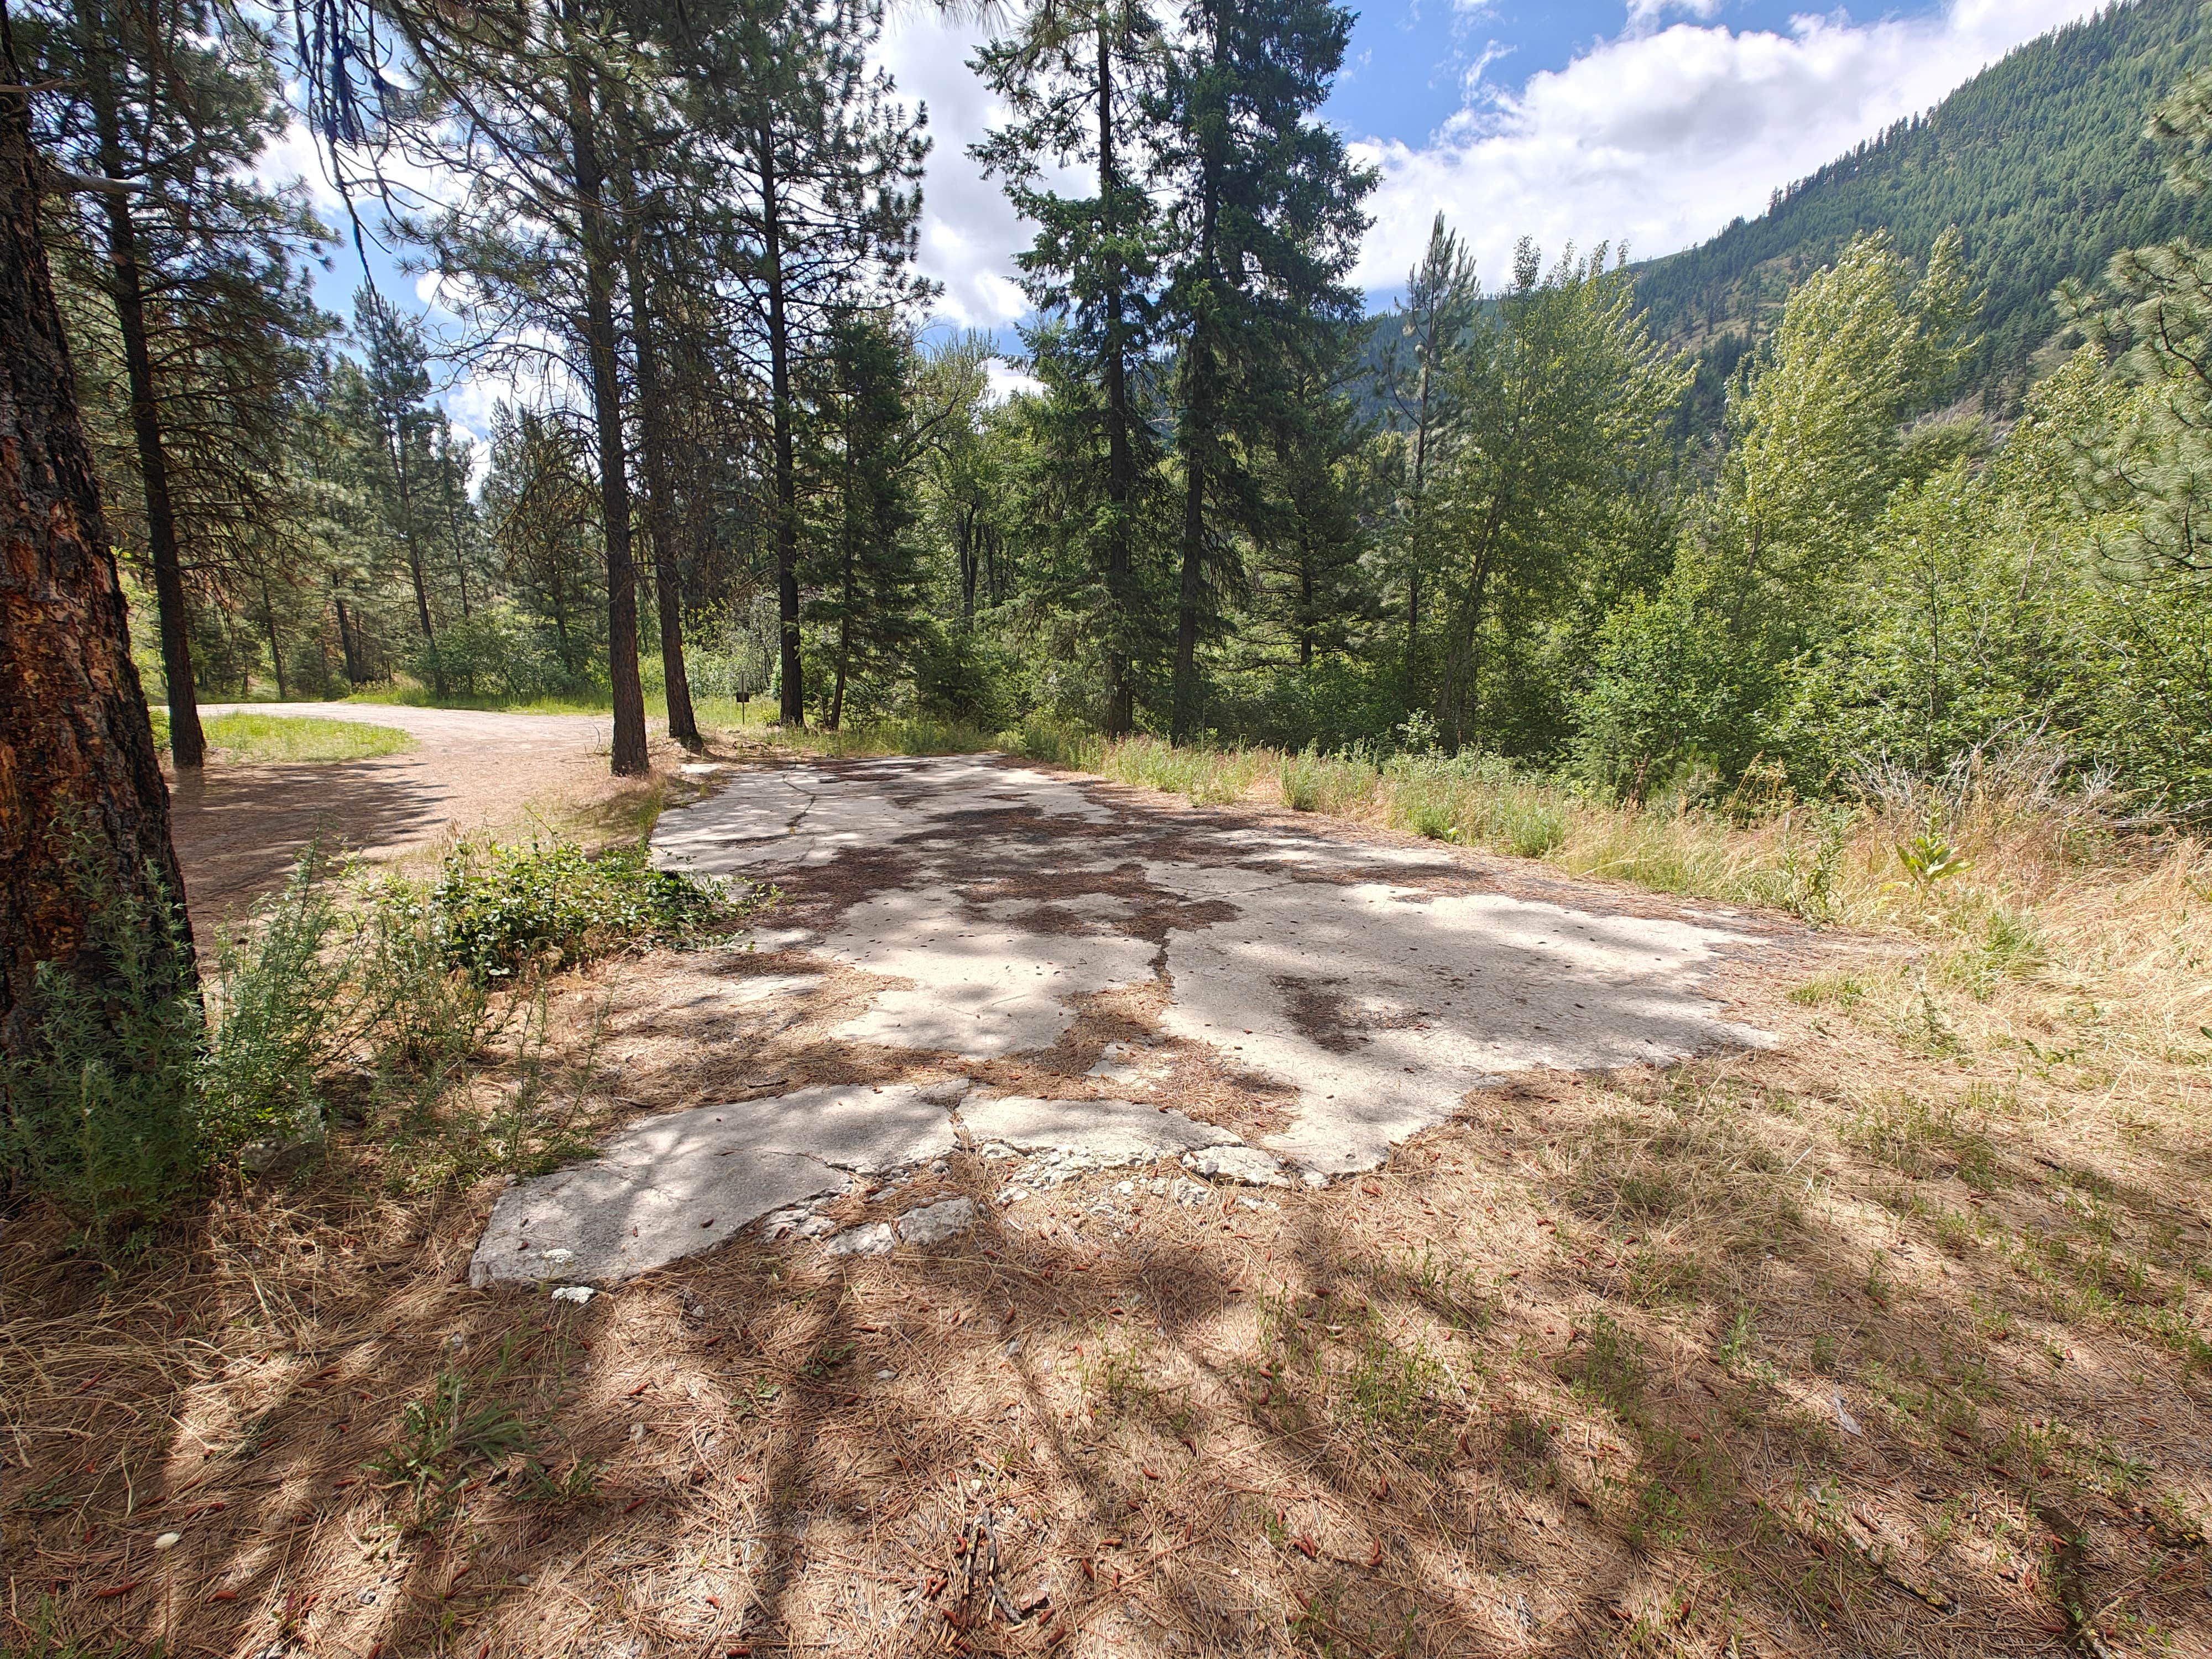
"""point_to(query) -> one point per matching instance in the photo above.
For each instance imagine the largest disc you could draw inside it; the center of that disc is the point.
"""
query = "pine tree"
(1268, 224)
(393, 389)
(814, 174)
(172, 104)
(1076, 79)
(73, 719)
(871, 576)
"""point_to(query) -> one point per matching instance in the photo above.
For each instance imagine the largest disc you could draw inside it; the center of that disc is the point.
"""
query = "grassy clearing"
(242, 739)
(1895, 1338)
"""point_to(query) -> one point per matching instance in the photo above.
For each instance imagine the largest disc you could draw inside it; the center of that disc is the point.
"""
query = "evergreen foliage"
(2040, 161)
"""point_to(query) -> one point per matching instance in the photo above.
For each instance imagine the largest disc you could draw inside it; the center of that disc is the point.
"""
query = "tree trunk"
(77, 764)
(964, 536)
(276, 646)
(353, 663)
(187, 744)
(603, 353)
(1184, 724)
(683, 722)
(1420, 526)
(844, 642)
(793, 711)
(1121, 696)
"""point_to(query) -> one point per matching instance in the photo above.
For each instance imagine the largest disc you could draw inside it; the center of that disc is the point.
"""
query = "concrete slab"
(673, 1186)
(1383, 1006)
(1378, 984)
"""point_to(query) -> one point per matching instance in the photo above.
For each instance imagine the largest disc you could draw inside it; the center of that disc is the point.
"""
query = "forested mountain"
(2040, 161)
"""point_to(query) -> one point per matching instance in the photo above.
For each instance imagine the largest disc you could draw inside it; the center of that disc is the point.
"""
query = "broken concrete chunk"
(877, 1238)
(1078, 1136)
(933, 1223)
(1246, 1165)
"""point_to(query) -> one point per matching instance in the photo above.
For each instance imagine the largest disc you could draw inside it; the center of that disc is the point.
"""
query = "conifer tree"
(1076, 78)
(163, 108)
(1268, 224)
(1424, 329)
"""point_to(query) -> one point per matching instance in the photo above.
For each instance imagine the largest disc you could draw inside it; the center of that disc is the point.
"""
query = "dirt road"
(239, 829)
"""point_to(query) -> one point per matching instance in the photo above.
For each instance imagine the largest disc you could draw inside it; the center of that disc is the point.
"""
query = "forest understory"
(1884, 1340)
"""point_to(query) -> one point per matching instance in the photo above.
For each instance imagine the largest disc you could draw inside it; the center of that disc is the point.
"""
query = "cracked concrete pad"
(877, 1238)
(805, 816)
(979, 989)
(673, 1186)
(1104, 1134)
(1383, 1006)
(868, 1130)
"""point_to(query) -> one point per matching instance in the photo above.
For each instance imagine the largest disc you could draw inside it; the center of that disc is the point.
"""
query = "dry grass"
(1892, 1340)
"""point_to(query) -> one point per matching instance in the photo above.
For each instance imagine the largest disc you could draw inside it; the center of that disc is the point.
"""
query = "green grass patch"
(265, 740)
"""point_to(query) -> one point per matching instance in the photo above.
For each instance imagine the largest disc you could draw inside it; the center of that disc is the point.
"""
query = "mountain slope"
(2038, 160)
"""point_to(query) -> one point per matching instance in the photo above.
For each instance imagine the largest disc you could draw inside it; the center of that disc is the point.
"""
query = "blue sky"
(1648, 122)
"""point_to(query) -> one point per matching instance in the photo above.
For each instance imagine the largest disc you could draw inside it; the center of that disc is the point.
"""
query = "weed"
(1740, 1343)
(1845, 991)
(1391, 1390)
(1918, 1137)
(576, 1482)
(441, 1438)
(280, 1012)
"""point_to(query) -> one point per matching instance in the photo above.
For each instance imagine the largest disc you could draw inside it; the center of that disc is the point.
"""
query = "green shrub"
(98, 1110)
(280, 1014)
(500, 911)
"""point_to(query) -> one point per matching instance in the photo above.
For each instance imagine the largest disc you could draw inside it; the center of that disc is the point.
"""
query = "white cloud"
(969, 234)
(1002, 380)
(1645, 14)
(1661, 136)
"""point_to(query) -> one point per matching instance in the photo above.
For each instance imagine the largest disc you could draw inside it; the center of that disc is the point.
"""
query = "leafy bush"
(500, 911)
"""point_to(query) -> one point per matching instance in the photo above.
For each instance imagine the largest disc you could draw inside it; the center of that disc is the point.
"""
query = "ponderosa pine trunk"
(187, 743)
(78, 769)
(791, 707)
(682, 720)
(603, 356)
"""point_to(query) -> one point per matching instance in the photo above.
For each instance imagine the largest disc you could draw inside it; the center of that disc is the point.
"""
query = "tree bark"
(682, 721)
(187, 744)
(602, 354)
(354, 673)
(793, 710)
(78, 769)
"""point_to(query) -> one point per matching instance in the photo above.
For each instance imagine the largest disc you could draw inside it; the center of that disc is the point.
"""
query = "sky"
(1651, 123)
